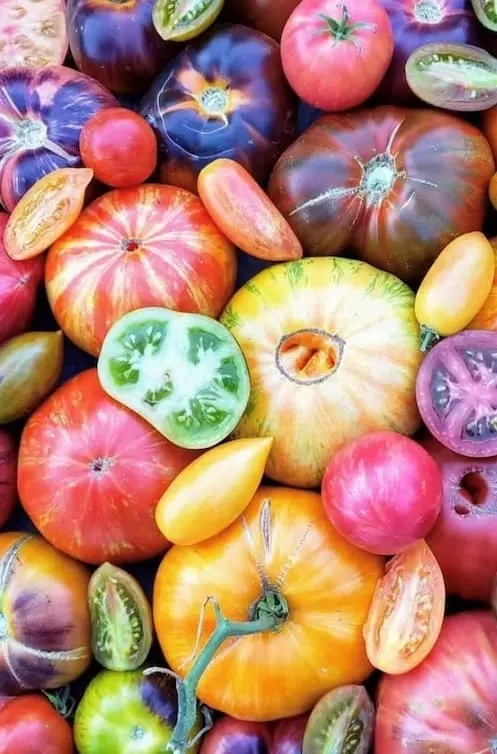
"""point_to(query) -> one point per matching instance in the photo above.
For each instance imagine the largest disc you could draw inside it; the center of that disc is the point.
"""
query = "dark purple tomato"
(288, 735)
(230, 736)
(223, 96)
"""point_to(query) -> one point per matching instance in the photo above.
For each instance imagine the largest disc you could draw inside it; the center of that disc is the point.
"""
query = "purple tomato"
(230, 736)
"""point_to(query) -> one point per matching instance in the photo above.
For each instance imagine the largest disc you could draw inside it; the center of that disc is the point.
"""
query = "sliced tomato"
(32, 34)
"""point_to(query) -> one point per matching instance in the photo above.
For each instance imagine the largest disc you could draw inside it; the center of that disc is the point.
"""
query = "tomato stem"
(343, 29)
(62, 701)
(429, 337)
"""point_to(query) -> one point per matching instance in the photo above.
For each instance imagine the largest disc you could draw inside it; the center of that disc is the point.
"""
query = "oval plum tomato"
(456, 393)
(33, 35)
(288, 735)
(8, 476)
(342, 721)
(86, 459)
(448, 703)
(44, 615)
(382, 491)
(336, 52)
(464, 538)
(230, 736)
(407, 611)
(27, 721)
(119, 146)
(486, 319)
(151, 245)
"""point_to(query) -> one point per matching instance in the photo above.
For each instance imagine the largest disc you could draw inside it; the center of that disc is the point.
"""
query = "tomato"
(268, 16)
(486, 319)
(486, 13)
(407, 611)
(182, 21)
(393, 185)
(184, 373)
(352, 38)
(146, 246)
(212, 491)
(8, 476)
(382, 492)
(32, 35)
(342, 721)
(45, 638)
(283, 552)
(110, 142)
(86, 459)
(457, 394)
(448, 703)
(242, 210)
(288, 735)
(230, 736)
(332, 349)
(26, 721)
(455, 287)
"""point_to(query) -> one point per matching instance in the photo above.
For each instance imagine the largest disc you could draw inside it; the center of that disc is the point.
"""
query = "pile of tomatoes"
(248, 376)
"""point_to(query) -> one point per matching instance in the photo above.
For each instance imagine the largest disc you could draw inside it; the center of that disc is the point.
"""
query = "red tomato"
(26, 721)
(8, 476)
(447, 705)
(336, 52)
(407, 611)
(382, 492)
(119, 146)
(91, 473)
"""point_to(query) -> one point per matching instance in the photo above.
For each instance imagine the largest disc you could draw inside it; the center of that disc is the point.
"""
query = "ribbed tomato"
(131, 248)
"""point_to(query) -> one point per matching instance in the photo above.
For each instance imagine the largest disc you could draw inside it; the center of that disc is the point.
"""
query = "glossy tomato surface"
(209, 103)
(486, 319)
(33, 35)
(353, 39)
(288, 543)
(8, 475)
(288, 735)
(448, 703)
(28, 722)
(230, 736)
(85, 458)
(45, 639)
(268, 16)
(151, 245)
(393, 185)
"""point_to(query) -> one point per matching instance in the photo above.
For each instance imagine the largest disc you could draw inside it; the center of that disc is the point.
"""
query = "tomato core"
(428, 12)
(214, 100)
(379, 175)
(130, 244)
(474, 488)
(31, 134)
(100, 466)
(309, 355)
(343, 29)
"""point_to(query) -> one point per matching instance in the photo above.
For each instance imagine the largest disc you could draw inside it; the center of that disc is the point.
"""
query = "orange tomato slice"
(46, 211)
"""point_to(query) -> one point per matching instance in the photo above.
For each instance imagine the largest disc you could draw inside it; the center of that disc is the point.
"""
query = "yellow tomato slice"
(210, 493)
(46, 211)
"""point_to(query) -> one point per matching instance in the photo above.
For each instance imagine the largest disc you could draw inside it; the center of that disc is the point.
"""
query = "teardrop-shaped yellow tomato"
(46, 211)
(210, 493)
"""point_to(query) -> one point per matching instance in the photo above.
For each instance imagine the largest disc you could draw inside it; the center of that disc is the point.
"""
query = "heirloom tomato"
(486, 12)
(44, 616)
(281, 559)
(27, 721)
(332, 350)
(230, 736)
(288, 735)
(223, 96)
(32, 35)
(86, 459)
(8, 475)
(394, 185)
(486, 319)
(336, 52)
(268, 16)
(449, 703)
(19, 283)
(146, 246)
(342, 721)
(42, 112)
(180, 21)
(242, 210)
(382, 491)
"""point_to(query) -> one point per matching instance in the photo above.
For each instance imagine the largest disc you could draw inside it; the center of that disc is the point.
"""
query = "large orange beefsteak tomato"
(332, 347)
(146, 246)
(282, 550)
(91, 473)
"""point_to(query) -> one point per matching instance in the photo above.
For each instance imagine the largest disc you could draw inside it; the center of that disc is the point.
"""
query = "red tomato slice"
(32, 34)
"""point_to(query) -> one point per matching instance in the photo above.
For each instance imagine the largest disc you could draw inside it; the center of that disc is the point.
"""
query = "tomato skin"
(382, 492)
(449, 702)
(359, 54)
(230, 736)
(27, 720)
(107, 456)
(288, 735)
(119, 146)
(486, 319)
(8, 476)
(242, 210)
(268, 16)
(489, 127)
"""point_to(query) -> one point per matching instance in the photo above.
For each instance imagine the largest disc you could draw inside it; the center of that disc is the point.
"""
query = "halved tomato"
(33, 34)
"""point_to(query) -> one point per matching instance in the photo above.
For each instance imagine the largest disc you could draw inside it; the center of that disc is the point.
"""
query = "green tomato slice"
(486, 12)
(181, 20)
(183, 373)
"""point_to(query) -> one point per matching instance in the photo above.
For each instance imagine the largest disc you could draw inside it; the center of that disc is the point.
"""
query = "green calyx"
(428, 338)
(343, 29)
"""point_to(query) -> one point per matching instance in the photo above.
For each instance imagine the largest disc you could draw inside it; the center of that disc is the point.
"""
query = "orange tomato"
(283, 543)
(245, 214)
(486, 319)
(407, 611)
(46, 211)
(212, 491)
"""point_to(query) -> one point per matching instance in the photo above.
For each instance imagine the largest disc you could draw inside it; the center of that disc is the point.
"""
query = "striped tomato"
(151, 245)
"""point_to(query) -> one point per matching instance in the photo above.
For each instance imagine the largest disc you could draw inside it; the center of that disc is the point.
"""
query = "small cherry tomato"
(119, 146)
(30, 725)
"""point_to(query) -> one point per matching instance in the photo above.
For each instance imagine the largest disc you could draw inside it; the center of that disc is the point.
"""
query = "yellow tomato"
(455, 287)
(210, 493)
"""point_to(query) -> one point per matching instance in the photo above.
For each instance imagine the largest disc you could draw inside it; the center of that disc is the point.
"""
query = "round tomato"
(332, 349)
(336, 52)
(87, 460)
(33, 35)
(110, 142)
(8, 476)
(407, 611)
(26, 721)
(44, 615)
(282, 552)
(393, 185)
(448, 703)
(382, 492)
(131, 248)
